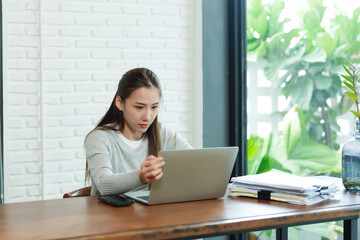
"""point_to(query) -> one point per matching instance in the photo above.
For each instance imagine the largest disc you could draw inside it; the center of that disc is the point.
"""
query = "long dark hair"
(114, 118)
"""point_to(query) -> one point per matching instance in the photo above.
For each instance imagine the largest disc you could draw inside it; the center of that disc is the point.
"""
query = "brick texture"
(63, 63)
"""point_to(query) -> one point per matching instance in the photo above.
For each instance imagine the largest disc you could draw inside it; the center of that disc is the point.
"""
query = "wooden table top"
(86, 217)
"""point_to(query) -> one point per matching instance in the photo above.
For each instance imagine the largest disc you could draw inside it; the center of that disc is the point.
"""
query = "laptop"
(189, 175)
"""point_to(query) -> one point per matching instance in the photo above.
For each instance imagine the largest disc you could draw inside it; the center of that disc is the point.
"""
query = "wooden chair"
(82, 192)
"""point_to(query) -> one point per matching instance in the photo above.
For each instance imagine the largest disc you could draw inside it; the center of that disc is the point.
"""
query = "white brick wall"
(62, 62)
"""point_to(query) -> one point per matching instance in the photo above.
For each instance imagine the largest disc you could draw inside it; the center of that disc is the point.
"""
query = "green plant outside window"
(310, 57)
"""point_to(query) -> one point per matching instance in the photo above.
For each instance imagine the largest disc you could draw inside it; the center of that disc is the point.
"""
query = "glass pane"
(300, 116)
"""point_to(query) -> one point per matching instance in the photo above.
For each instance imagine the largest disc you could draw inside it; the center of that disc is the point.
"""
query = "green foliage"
(310, 57)
(351, 81)
(293, 152)
(263, 22)
(325, 230)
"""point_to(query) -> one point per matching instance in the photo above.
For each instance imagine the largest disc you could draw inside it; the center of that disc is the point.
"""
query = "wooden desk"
(85, 218)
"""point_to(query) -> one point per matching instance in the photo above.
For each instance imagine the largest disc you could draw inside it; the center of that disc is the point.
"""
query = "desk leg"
(350, 229)
(282, 233)
(239, 236)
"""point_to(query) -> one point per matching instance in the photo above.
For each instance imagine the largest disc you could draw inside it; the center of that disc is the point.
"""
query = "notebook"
(189, 175)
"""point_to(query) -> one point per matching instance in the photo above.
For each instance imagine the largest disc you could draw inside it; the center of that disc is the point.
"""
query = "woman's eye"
(155, 107)
(139, 107)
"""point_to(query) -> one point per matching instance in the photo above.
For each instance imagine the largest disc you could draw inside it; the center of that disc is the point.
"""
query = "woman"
(122, 150)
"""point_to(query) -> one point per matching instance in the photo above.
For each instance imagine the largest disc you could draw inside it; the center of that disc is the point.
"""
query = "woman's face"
(140, 110)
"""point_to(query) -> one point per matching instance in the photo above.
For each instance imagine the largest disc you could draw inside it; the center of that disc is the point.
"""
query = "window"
(1, 121)
(295, 52)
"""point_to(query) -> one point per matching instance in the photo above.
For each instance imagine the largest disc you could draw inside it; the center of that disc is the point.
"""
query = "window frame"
(224, 77)
(237, 101)
(1, 115)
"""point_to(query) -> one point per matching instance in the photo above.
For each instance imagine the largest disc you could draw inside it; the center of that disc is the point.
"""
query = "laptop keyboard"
(146, 198)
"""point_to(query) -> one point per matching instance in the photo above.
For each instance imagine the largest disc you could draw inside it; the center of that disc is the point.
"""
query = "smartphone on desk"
(116, 200)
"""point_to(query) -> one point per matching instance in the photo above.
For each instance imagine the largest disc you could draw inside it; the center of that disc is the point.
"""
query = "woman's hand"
(151, 169)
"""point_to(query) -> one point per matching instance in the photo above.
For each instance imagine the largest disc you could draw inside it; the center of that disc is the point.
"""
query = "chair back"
(82, 192)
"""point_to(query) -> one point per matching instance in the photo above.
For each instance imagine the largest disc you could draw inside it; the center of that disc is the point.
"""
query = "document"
(286, 187)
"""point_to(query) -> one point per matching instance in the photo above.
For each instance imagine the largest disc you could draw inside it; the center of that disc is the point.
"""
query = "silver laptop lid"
(193, 174)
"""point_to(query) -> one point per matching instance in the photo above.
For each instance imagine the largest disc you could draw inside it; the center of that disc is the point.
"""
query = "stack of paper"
(286, 187)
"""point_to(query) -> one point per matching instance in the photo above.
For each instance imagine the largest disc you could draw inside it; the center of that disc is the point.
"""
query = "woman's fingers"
(151, 169)
(155, 166)
(153, 175)
(158, 176)
(151, 161)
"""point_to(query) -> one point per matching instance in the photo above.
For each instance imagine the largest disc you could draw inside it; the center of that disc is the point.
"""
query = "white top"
(114, 165)
(130, 143)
